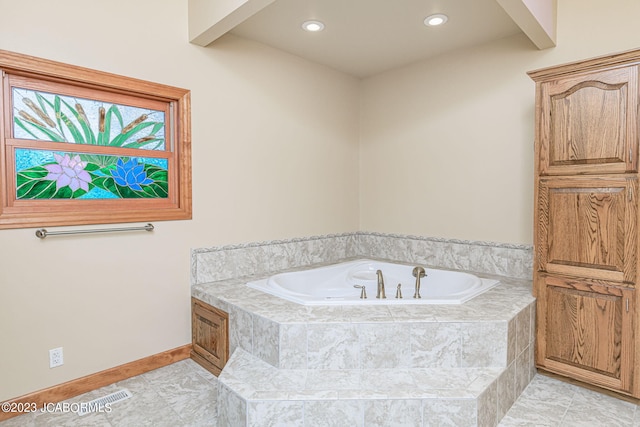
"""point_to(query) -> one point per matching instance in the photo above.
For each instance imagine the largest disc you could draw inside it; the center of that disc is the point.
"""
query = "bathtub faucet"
(380, 285)
(418, 272)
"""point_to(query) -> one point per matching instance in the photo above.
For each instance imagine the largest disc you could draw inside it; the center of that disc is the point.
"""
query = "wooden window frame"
(54, 212)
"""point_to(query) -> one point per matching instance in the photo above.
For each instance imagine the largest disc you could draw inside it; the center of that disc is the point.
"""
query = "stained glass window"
(89, 147)
(42, 174)
(53, 117)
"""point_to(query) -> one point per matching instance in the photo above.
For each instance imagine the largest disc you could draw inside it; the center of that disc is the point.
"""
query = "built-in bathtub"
(340, 284)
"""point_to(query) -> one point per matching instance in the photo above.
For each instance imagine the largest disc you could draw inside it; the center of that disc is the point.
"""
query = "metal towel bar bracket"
(42, 233)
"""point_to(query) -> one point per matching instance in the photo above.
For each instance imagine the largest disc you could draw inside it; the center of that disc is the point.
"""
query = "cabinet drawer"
(587, 124)
(585, 330)
(586, 227)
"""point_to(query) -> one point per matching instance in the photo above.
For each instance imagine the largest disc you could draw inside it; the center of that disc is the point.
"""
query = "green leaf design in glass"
(43, 174)
(59, 118)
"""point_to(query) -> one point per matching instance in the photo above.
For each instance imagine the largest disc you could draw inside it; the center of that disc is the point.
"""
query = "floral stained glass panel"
(44, 174)
(59, 118)
(83, 146)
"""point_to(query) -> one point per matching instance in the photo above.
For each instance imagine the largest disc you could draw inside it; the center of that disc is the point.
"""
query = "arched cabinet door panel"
(589, 123)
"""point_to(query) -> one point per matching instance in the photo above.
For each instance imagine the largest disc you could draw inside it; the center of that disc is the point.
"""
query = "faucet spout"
(418, 272)
(380, 293)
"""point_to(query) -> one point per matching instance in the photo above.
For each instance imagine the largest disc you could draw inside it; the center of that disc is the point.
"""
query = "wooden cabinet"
(587, 227)
(585, 330)
(589, 123)
(210, 336)
(586, 219)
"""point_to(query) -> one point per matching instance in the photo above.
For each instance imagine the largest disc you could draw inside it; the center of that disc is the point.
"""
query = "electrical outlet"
(55, 357)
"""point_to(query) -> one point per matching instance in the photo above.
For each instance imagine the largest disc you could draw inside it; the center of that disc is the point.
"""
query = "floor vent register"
(98, 405)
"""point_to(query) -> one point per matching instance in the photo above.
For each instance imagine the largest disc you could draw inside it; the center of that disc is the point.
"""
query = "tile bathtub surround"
(262, 258)
(265, 395)
(290, 360)
(292, 336)
(507, 260)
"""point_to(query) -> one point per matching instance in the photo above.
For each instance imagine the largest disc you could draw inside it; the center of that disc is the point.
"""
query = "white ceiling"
(366, 37)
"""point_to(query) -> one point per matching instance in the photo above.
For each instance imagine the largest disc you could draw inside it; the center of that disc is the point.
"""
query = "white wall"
(275, 146)
(447, 144)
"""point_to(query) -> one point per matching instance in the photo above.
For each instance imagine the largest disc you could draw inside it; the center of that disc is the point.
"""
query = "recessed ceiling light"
(312, 26)
(435, 20)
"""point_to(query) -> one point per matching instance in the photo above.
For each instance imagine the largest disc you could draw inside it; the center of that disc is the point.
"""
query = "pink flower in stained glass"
(68, 171)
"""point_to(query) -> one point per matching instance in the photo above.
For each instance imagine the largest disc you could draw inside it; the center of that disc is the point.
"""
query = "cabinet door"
(586, 227)
(588, 123)
(586, 331)
(210, 336)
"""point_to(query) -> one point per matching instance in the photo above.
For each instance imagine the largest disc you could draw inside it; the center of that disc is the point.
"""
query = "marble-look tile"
(490, 259)
(219, 263)
(413, 313)
(546, 389)
(376, 313)
(488, 406)
(524, 367)
(275, 413)
(232, 410)
(351, 245)
(58, 418)
(532, 323)
(213, 266)
(247, 375)
(293, 346)
(343, 379)
(153, 402)
(511, 341)
(391, 383)
(279, 257)
(384, 345)
(449, 412)
(636, 418)
(266, 340)
(332, 346)
(598, 409)
(477, 350)
(542, 404)
(127, 413)
(506, 394)
(486, 378)
(523, 329)
(240, 330)
(435, 344)
(532, 360)
(393, 413)
(327, 314)
(188, 390)
(334, 413)
(523, 414)
(417, 252)
(251, 260)
(375, 245)
(437, 379)
(458, 256)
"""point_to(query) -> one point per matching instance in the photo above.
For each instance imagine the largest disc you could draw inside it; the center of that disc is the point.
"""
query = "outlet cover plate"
(55, 357)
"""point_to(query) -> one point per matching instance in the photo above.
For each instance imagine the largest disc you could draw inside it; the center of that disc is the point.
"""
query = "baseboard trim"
(91, 382)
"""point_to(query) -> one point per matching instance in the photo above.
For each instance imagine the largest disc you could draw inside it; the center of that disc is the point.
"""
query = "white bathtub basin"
(334, 285)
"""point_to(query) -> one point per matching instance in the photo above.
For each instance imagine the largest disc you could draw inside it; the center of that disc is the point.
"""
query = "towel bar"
(42, 233)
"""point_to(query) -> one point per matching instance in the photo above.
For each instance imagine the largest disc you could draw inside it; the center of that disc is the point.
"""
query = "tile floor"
(184, 394)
